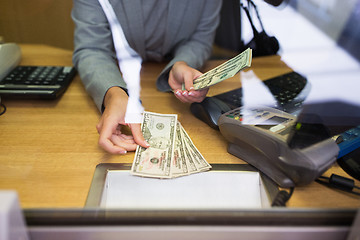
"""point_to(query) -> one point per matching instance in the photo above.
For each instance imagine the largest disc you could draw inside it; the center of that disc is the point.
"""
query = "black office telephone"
(10, 56)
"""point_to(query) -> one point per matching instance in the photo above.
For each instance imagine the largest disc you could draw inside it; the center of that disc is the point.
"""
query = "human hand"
(110, 127)
(182, 73)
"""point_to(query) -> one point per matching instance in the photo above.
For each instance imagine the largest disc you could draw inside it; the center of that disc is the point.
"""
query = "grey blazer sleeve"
(94, 55)
(197, 49)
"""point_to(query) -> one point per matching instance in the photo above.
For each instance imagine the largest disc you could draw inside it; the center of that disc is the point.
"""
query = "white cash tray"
(225, 187)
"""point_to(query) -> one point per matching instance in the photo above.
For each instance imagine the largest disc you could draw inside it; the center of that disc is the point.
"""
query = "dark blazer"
(190, 32)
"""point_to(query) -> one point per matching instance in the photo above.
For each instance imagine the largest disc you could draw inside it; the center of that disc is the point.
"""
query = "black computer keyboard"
(288, 89)
(37, 81)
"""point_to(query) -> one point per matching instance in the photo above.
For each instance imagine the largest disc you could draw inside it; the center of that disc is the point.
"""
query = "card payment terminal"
(258, 135)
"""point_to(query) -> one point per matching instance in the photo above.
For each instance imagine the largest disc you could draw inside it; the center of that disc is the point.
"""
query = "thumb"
(189, 78)
(138, 136)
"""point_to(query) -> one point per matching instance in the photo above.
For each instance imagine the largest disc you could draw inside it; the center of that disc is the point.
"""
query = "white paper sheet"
(208, 190)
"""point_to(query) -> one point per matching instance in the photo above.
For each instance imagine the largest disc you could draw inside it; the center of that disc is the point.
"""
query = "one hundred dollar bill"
(224, 71)
(159, 131)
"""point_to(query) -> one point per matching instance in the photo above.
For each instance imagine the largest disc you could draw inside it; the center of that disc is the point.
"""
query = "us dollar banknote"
(224, 71)
(198, 161)
(179, 166)
(171, 153)
(159, 131)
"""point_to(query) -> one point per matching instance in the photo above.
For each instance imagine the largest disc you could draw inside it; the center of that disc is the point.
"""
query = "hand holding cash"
(224, 71)
(171, 152)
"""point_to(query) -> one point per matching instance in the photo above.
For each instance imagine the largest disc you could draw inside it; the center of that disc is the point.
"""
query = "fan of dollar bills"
(171, 153)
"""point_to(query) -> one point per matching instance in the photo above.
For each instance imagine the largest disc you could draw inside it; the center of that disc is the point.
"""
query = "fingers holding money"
(180, 74)
(192, 95)
(138, 136)
(113, 145)
(118, 142)
(113, 141)
(183, 75)
(124, 141)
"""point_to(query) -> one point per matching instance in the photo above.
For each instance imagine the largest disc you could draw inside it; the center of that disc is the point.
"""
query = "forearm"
(98, 76)
(93, 56)
(116, 98)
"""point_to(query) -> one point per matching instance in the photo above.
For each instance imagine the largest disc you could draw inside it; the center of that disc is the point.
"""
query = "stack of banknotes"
(171, 153)
(224, 71)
